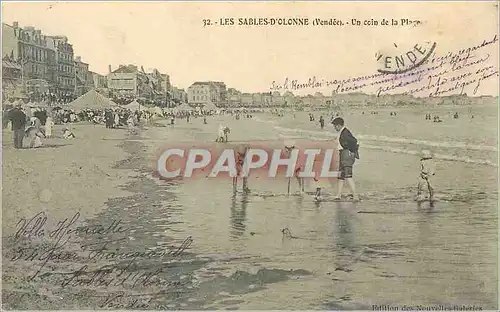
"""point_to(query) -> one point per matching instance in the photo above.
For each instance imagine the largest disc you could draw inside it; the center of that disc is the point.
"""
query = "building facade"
(247, 100)
(202, 93)
(159, 86)
(124, 81)
(233, 97)
(28, 46)
(179, 95)
(11, 79)
(221, 98)
(99, 81)
(84, 78)
(64, 67)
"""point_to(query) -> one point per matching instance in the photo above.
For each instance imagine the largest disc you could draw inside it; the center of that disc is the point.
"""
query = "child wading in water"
(241, 152)
(427, 170)
(289, 147)
(300, 167)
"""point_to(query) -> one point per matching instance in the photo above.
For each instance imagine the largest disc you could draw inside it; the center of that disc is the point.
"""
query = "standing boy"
(427, 170)
(348, 153)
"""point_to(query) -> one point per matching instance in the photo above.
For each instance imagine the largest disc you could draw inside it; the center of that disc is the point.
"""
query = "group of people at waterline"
(348, 153)
(31, 128)
(348, 147)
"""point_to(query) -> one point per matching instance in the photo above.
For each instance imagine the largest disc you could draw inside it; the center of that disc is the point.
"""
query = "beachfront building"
(233, 97)
(84, 78)
(99, 81)
(124, 81)
(179, 95)
(128, 81)
(246, 100)
(28, 47)
(257, 100)
(202, 93)
(11, 79)
(278, 100)
(159, 87)
(62, 66)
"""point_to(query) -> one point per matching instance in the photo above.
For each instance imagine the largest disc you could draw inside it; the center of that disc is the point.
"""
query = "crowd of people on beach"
(35, 124)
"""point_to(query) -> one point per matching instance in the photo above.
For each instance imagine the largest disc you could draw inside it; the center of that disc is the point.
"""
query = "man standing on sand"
(348, 153)
(18, 120)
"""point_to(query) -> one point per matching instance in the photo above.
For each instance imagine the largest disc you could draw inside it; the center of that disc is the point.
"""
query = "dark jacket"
(18, 119)
(349, 142)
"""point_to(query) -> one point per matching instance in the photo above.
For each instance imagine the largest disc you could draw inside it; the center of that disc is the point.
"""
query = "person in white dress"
(49, 123)
(117, 120)
(33, 133)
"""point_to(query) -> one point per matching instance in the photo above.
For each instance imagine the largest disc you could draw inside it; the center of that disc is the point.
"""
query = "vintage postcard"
(250, 155)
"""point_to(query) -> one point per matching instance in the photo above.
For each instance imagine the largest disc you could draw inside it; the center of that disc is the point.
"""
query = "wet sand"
(383, 250)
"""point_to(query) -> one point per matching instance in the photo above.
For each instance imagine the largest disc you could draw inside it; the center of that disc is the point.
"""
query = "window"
(204, 97)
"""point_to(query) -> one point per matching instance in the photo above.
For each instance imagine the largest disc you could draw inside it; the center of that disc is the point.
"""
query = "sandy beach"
(229, 251)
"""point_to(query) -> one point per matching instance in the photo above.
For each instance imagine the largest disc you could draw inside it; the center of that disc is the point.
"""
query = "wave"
(299, 133)
(386, 139)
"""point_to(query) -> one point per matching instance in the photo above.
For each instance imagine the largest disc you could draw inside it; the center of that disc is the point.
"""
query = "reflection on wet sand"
(345, 237)
(238, 214)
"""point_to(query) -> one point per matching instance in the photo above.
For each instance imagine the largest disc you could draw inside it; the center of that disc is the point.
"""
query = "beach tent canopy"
(37, 105)
(184, 107)
(135, 106)
(156, 110)
(210, 106)
(91, 100)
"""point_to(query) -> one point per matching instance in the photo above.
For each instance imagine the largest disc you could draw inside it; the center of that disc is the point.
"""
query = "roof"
(219, 83)
(125, 70)
(201, 83)
(10, 64)
(214, 84)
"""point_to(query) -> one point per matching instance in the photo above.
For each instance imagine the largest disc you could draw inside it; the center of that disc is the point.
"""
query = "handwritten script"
(456, 72)
(123, 266)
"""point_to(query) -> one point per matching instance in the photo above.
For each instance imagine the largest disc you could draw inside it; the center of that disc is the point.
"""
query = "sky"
(172, 38)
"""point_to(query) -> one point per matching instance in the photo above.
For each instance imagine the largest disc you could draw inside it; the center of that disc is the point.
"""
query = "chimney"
(15, 24)
(78, 59)
(109, 69)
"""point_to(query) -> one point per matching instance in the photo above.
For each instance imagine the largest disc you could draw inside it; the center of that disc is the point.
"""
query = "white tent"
(156, 110)
(184, 107)
(135, 106)
(91, 100)
(210, 106)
